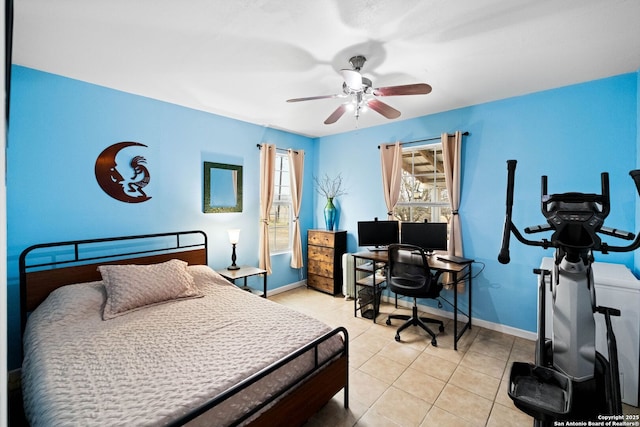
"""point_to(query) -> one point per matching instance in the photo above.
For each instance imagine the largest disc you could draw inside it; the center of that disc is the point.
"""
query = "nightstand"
(242, 273)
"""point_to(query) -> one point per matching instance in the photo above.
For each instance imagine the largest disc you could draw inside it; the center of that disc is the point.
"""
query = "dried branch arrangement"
(330, 187)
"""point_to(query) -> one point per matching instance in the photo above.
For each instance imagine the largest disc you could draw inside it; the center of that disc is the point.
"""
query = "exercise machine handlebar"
(635, 174)
(504, 256)
(548, 204)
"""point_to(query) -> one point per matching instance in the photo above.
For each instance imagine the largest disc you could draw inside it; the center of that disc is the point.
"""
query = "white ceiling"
(244, 58)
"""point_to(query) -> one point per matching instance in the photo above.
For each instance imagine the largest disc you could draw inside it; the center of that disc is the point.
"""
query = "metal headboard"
(79, 264)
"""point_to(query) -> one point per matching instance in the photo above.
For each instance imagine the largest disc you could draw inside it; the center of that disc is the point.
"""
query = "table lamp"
(234, 236)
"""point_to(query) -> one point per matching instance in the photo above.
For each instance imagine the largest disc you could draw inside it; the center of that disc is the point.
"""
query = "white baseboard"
(286, 288)
(521, 333)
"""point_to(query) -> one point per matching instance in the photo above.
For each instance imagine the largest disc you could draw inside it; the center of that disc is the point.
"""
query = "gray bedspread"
(152, 365)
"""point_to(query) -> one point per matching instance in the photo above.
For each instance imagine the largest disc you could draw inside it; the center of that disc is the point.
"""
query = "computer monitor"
(378, 234)
(430, 236)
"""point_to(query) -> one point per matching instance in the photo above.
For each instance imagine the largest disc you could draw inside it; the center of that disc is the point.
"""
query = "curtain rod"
(286, 150)
(425, 139)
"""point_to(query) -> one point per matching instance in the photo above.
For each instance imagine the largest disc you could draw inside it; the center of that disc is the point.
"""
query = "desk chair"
(408, 274)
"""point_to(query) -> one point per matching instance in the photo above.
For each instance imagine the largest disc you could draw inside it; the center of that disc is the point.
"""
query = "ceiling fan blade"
(336, 115)
(386, 110)
(413, 89)
(353, 79)
(311, 98)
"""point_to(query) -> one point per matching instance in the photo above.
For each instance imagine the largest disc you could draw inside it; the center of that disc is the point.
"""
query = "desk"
(244, 272)
(382, 258)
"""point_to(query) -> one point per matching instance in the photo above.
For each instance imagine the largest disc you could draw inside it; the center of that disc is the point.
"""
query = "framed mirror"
(222, 188)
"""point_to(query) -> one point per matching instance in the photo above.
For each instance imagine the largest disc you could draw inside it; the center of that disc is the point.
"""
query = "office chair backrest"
(407, 260)
(408, 266)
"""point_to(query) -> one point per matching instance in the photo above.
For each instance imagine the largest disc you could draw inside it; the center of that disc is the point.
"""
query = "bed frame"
(46, 267)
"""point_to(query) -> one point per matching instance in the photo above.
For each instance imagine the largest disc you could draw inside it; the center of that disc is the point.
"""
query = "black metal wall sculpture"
(112, 181)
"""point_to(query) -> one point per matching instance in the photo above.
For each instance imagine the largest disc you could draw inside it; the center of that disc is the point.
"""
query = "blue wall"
(59, 126)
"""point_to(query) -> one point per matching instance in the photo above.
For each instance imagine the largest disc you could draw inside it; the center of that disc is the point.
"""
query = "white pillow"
(131, 287)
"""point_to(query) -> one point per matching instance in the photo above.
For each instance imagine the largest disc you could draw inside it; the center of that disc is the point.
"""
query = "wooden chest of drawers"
(324, 260)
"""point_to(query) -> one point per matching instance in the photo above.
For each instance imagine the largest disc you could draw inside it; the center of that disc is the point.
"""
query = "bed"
(100, 350)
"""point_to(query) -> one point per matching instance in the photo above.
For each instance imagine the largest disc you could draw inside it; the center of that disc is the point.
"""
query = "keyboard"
(454, 259)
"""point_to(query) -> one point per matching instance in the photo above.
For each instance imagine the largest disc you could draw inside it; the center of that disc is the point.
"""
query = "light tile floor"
(412, 383)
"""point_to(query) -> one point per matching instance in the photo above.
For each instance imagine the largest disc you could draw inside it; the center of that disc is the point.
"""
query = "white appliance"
(348, 285)
(616, 287)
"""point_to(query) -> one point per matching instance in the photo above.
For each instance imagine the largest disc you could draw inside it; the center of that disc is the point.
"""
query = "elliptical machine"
(570, 379)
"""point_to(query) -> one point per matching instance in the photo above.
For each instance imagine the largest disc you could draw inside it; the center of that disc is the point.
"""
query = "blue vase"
(330, 214)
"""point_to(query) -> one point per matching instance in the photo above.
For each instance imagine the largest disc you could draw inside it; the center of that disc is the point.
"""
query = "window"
(423, 191)
(280, 216)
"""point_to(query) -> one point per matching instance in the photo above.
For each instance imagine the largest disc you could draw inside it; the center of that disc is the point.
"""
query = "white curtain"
(452, 152)
(391, 160)
(296, 172)
(267, 170)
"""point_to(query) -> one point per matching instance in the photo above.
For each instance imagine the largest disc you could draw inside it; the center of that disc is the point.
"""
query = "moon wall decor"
(112, 181)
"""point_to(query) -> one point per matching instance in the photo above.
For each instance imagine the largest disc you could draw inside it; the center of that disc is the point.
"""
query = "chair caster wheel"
(441, 328)
(398, 337)
(434, 342)
(389, 322)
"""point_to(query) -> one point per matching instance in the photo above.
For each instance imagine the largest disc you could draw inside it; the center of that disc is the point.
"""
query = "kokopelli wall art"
(125, 181)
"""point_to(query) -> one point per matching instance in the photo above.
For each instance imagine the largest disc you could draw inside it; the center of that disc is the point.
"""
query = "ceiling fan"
(362, 95)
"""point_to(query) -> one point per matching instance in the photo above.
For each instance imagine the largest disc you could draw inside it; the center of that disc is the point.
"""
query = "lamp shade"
(234, 235)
